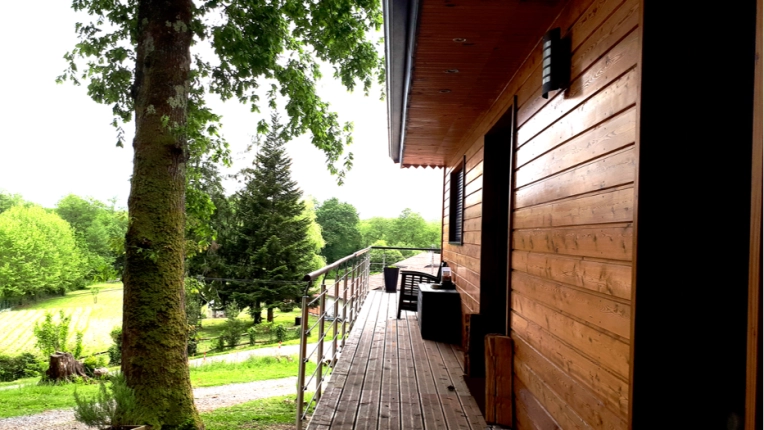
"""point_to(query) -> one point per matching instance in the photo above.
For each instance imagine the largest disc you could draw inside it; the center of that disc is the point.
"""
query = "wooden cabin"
(610, 228)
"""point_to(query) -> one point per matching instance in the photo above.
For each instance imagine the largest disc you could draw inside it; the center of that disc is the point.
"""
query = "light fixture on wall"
(555, 63)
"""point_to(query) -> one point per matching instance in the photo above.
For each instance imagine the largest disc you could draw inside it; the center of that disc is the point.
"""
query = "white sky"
(54, 140)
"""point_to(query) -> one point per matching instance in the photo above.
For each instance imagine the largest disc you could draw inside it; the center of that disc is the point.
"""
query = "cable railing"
(345, 296)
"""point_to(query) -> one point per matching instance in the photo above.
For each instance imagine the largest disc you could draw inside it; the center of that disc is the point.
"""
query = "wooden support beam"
(498, 380)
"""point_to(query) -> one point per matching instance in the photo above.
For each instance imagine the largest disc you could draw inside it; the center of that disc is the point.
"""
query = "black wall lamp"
(556, 62)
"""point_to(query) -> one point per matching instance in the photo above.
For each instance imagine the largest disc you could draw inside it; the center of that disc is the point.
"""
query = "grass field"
(95, 319)
(31, 398)
(272, 413)
(98, 319)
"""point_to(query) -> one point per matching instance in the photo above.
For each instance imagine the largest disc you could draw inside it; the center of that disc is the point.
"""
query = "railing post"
(334, 322)
(352, 295)
(356, 289)
(303, 353)
(368, 274)
(320, 351)
(344, 306)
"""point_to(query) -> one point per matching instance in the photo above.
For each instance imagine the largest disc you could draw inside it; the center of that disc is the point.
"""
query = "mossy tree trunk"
(154, 329)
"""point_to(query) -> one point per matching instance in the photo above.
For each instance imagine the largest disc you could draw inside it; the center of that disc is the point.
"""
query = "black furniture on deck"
(409, 292)
(439, 312)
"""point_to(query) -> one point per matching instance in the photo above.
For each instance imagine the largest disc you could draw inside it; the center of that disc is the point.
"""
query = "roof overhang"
(448, 61)
(400, 28)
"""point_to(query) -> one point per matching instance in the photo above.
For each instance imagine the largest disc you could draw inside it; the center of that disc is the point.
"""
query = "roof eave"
(401, 18)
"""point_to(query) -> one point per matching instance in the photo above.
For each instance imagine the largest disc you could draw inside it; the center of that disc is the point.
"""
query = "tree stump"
(63, 366)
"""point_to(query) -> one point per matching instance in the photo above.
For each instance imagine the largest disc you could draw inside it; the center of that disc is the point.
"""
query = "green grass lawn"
(98, 319)
(253, 369)
(273, 413)
(31, 398)
(95, 319)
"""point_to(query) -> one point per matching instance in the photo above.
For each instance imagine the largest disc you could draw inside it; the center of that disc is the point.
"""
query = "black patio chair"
(409, 292)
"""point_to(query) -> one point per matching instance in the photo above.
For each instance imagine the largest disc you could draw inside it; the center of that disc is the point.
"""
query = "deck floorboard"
(389, 378)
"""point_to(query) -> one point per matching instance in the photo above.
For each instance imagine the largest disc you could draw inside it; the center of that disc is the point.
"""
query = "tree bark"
(154, 330)
(62, 366)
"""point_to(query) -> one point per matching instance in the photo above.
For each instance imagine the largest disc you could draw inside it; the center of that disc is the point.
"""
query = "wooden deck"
(388, 377)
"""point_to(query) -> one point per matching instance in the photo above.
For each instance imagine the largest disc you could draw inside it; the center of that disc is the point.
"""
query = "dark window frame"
(456, 204)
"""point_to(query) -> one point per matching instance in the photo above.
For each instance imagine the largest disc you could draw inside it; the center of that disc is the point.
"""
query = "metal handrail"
(351, 285)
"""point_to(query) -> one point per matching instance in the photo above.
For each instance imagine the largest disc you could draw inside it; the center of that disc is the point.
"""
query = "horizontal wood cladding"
(601, 207)
(464, 259)
(616, 97)
(597, 345)
(562, 413)
(529, 412)
(609, 136)
(607, 385)
(609, 171)
(602, 277)
(581, 400)
(613, 315)
(618, 61)
(618, 25)
(570, 17)
(572, 232)
(613, 242)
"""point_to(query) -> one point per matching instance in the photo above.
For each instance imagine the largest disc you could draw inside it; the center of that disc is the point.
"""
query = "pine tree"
(271, 243)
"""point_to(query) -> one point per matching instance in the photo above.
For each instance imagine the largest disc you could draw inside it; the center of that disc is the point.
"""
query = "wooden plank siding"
(464, 259)
(571, 247)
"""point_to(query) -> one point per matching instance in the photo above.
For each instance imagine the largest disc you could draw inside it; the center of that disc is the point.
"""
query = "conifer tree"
(271, 243)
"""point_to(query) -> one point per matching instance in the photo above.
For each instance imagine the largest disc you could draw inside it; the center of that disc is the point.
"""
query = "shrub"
(281, 333)
(112, 407)
(252, 333)
(287, 306)
(192, 342)
(234, 327)
(220, 344)
(92, 363)
(233, 330)
(77, 353)
(115, 350)
(192, 347)
(24, 365)
(51, 337)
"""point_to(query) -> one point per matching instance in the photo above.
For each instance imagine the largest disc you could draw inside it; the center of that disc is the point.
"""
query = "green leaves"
(339, 227)
(256, 42)
(38, 252)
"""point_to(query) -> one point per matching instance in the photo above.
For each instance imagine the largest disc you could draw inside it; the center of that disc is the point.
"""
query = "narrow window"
(456, 205)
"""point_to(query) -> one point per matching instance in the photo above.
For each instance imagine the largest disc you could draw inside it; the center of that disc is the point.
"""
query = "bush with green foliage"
(111, 407)
(192, 344)
(52, 336)
(92, 363)
(115, 350)
(281, 333)
(193, 304)
(233, 331)
(24, 365)
(77, 352)
(220, 343)
(252, 335)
